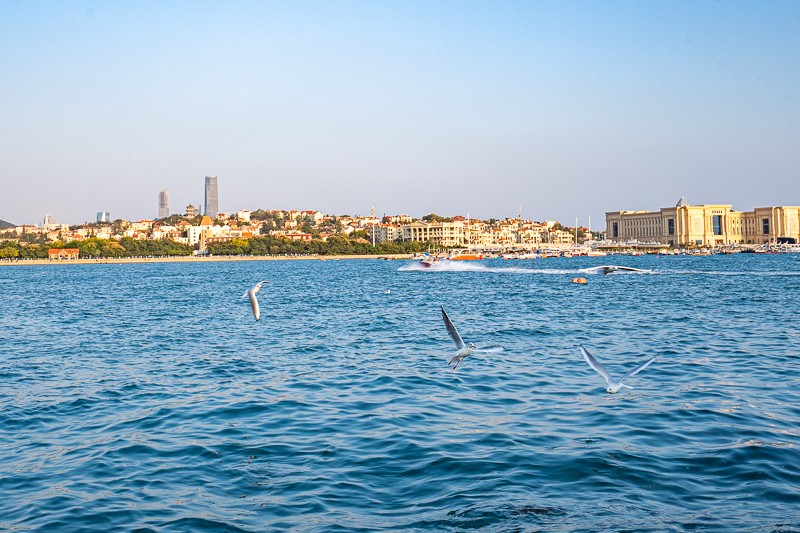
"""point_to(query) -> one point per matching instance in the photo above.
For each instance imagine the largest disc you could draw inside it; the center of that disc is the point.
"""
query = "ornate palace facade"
(705, 225)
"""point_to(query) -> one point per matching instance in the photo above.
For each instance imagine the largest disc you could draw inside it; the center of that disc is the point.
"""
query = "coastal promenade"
(194, 259)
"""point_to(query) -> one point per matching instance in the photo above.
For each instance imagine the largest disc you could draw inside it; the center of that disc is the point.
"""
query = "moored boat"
(465, 257)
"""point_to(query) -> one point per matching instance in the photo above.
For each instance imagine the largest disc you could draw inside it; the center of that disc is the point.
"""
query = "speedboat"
(428, 260)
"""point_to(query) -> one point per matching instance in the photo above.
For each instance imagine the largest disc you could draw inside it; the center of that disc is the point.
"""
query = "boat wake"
(470, 266)
(767, 273)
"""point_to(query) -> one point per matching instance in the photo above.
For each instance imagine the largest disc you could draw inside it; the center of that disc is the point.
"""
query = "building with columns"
(705, 225)
(443, 233)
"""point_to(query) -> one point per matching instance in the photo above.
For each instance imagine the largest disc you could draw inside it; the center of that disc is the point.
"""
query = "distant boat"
(465, 257)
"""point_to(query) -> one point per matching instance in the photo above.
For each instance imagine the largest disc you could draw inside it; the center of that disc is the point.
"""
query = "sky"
(562, 110)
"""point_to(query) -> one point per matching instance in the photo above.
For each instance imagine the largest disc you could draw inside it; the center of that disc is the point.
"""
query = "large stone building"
(387, 232)
(443, 233)
(705, 225)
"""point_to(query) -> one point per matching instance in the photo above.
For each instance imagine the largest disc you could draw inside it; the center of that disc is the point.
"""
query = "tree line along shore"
(335, 245)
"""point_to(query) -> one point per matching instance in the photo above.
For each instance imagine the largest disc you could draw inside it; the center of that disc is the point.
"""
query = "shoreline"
(194, 259)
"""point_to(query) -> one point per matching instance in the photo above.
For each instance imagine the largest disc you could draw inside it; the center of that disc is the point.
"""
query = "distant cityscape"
(200, 227)
(679, 226)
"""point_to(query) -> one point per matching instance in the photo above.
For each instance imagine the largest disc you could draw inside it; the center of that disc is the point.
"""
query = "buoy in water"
(578, 280)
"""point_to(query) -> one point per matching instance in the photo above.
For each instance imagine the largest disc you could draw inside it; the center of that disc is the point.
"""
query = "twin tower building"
(211, 200)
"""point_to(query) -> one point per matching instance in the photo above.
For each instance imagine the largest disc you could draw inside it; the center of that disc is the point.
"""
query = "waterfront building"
(530, 235)
(200, 234)
(705, 225)
(212, 197)
(559, 236)
(103, 216)
(163, 204)
(443, 233)
(63, 253)
(387, 233)
(243, 215)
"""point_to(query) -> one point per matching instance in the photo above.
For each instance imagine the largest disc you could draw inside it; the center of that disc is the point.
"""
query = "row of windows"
(650, 225)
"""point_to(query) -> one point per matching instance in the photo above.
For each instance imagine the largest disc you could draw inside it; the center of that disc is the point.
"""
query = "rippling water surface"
(147, 398)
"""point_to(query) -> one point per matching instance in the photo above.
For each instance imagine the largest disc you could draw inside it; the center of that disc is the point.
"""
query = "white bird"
(613, 384)
(608, 269)
(253, 300)
(463, 349)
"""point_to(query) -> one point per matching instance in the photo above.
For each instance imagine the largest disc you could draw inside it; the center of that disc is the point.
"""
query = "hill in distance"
(6, 225)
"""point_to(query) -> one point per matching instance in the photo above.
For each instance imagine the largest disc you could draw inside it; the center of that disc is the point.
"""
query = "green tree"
(433, 217)
(9, 250)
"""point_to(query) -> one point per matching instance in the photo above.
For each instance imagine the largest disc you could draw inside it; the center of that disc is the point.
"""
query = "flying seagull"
(608, 269)
(253, 300)
(613, 384)
(463, 349)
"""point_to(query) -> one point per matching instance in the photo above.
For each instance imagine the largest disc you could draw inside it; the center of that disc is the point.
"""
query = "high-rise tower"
(163, 204)
(212, 197)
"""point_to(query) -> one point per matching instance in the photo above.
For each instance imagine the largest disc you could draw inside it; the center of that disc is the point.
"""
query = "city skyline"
(569, 109)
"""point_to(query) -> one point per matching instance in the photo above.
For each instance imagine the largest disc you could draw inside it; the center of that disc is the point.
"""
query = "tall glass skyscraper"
(212, 197)
(163, 204)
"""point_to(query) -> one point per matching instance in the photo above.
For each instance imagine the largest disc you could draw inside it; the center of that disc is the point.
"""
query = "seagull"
(608, 269)
(463, 350)
(613, 384)
(253, 301)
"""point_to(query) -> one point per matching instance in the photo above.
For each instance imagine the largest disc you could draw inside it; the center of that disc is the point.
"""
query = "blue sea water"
(145, 397)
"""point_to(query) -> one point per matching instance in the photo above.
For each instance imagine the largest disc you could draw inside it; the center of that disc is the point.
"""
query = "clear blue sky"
(564, 108)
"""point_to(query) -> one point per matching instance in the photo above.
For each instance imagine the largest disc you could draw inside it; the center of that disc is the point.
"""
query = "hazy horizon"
(566, 109)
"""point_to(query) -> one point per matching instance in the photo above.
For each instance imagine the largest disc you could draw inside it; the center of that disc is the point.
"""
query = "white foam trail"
(470, 266)
(733, 272)
(476, 266)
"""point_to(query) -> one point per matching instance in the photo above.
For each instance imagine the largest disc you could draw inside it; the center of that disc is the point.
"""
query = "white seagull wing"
(638, 368)
(451, 330)
(597, 365)
(254, 305)
(601, 267)
(488, 349)
(631, 269)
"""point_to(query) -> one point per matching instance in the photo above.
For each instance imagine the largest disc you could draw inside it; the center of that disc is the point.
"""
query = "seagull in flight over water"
(463, 349)
(613, 384)
(253, 300)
